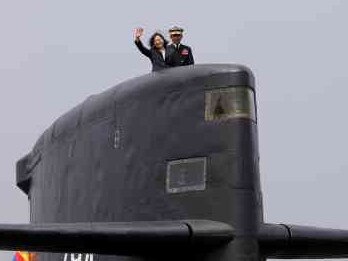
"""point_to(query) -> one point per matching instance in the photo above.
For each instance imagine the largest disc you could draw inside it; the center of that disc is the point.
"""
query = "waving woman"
(160, 56)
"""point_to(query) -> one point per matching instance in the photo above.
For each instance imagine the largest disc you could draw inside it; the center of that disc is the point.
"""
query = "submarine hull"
(152, 149)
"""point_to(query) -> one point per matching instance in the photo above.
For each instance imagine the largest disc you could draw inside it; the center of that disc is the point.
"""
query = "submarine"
(163, 166)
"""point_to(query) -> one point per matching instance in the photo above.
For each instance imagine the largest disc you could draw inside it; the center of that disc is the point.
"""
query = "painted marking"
(78, 257)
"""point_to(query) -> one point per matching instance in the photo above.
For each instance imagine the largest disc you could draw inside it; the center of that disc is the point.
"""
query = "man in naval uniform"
(184, 53)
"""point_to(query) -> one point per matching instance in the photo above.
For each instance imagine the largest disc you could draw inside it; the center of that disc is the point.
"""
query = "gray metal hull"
(106, 160)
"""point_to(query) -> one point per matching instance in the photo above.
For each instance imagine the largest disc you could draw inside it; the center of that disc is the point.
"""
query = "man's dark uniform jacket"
(184, 55)
(158, 63)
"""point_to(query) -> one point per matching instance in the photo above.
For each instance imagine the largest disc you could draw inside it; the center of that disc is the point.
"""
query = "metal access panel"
(186, 175)
(229, 103)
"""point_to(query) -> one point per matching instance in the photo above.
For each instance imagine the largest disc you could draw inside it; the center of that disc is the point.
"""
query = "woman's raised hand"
(138, 33)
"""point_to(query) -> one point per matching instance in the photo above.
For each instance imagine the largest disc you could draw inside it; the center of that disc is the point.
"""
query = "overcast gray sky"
(53, 54)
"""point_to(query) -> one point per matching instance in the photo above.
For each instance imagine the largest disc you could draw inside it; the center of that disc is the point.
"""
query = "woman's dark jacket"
(156, 57)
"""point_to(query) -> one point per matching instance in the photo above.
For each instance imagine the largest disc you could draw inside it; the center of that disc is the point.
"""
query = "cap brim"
(175, 32)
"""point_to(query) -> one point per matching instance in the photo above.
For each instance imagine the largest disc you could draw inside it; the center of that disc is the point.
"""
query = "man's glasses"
(175, 35)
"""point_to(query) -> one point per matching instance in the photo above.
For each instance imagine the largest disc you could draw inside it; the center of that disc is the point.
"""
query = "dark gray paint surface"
(83, 176)
(111, 158)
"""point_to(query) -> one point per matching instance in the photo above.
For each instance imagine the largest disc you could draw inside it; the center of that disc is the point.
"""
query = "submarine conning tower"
(172, 145)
